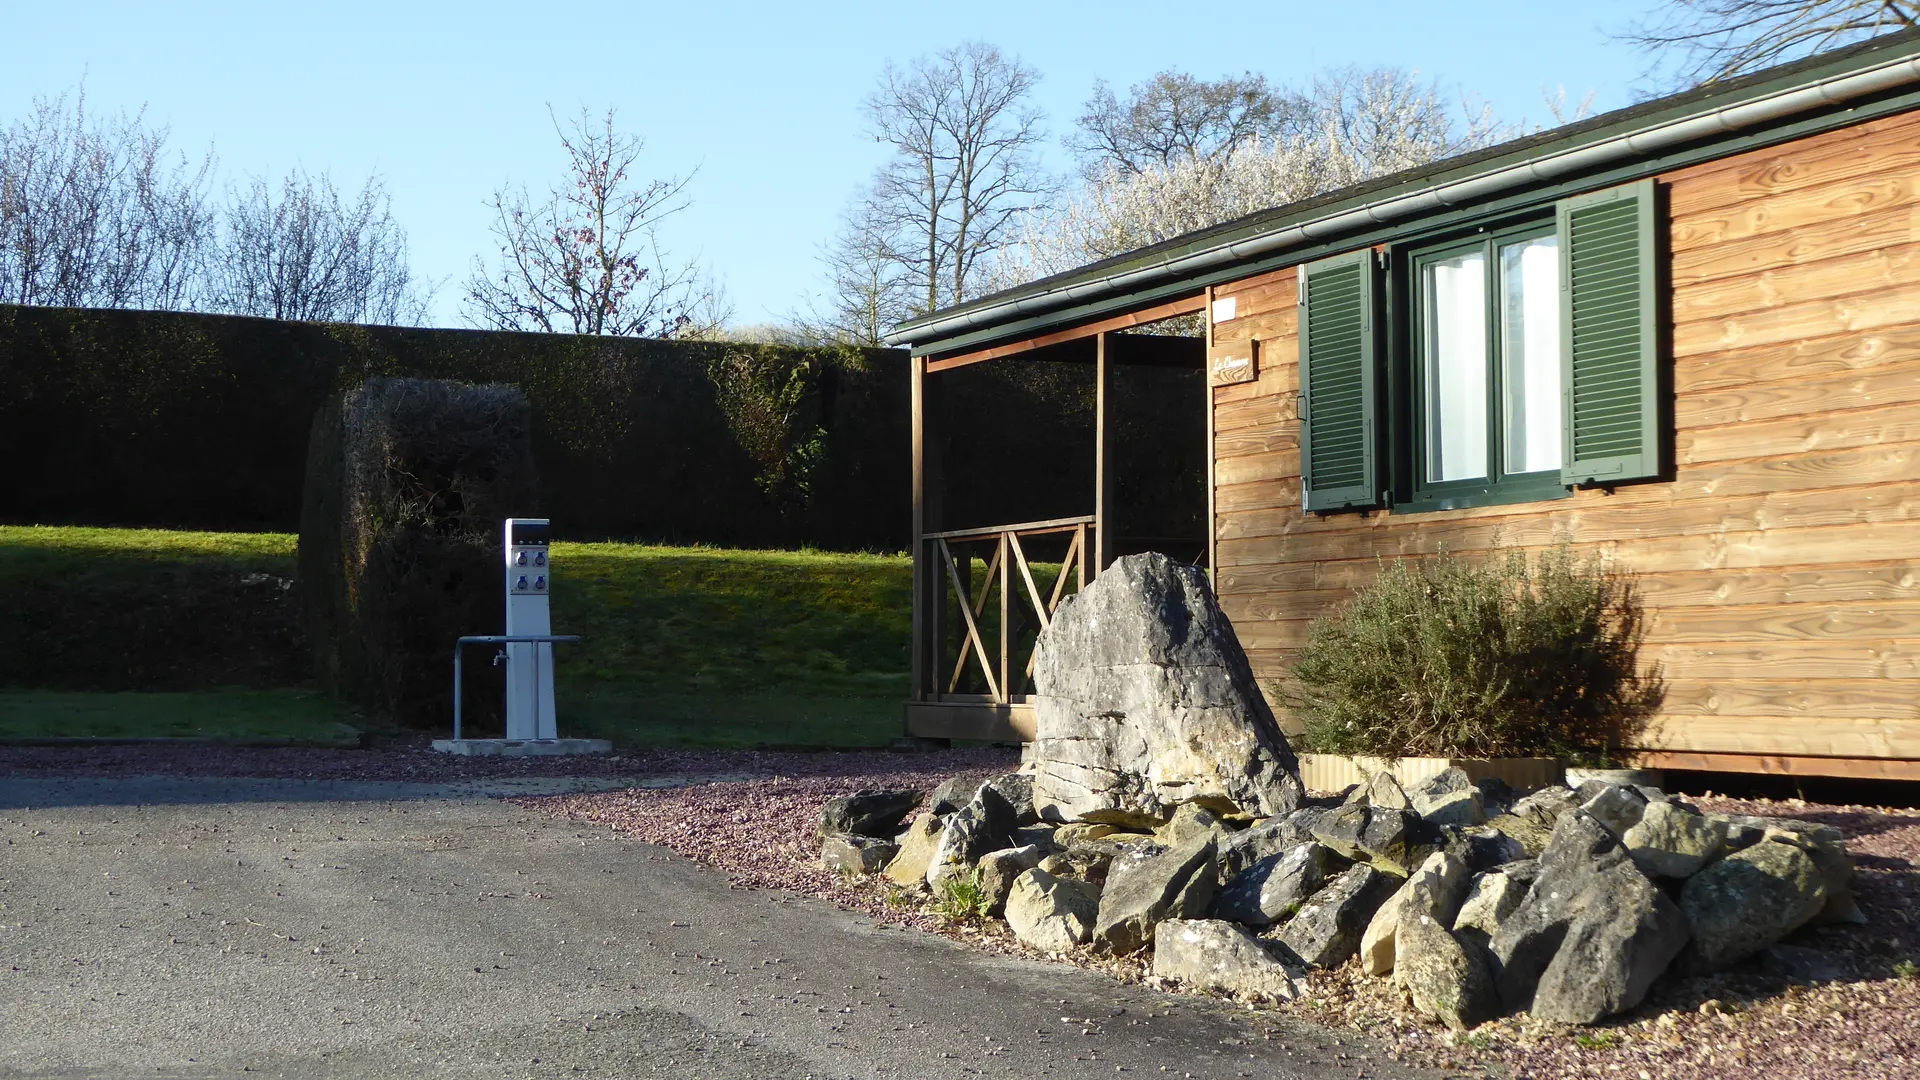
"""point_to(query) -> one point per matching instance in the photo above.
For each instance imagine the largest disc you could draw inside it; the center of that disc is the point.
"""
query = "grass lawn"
(208, 714)
(682, 646)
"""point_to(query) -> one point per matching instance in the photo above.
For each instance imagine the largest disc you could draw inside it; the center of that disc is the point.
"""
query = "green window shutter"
(1609, 340)
(1338, 384)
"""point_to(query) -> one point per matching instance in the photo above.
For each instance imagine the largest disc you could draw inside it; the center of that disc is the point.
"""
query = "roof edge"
(1718, 117)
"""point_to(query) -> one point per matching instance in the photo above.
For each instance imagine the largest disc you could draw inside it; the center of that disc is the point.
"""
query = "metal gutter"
(1830, 91)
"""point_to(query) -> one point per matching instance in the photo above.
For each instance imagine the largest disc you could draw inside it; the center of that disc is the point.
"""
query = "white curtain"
(1530, 362)
(1456, 368)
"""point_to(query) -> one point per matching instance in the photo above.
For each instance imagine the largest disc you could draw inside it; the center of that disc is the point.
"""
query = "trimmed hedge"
(407, 483)
(196, 421)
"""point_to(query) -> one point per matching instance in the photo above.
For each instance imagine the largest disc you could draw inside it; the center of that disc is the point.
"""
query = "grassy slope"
(683, 646)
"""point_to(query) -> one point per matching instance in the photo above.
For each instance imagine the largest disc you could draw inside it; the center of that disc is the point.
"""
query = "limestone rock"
(1017, 789)
(1070, 834)
(856, 854)
(1494, 896)
(1435, 890)
(1273, 836)
(1449, 798)
(999, 869)
(1496, 795)
(1385, 792)
(1042, 835)
(917, 844)
(1145, 701)
(1530, 821)
(1447, 978)
(1189, 823)
(1327, 928)
(1217, 955)
(1272, 889)
(1079, 865)
(1389, 839)
(868, 812)
(1052, 913)
(984, 825)
(1480, 847)
(1751, 899)
(955, 792)
(1616, 806)
(1143, 889)
(1671, 841)
(1592, 934)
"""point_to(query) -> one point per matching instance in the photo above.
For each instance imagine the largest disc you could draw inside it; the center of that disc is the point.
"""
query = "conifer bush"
(1506, 656)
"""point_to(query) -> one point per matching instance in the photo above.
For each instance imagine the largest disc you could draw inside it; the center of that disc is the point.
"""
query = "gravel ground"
(758, 824)
(1739, 1024)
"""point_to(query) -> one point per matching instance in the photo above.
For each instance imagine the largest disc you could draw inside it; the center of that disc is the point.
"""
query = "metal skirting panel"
(982, 721)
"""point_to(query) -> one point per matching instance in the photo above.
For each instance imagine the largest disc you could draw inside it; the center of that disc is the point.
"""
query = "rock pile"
(1160, 809)
(1629, 885)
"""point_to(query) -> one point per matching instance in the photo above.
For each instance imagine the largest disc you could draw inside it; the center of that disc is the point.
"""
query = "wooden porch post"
(1102, 466)
(928, 589)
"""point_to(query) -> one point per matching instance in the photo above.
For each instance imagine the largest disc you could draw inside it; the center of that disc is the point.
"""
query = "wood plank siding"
(1782, 562)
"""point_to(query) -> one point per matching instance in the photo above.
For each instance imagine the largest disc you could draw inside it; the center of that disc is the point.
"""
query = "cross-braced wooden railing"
(1015, 625)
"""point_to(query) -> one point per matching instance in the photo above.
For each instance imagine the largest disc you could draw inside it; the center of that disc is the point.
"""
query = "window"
(1487, 351)
(1513, 364)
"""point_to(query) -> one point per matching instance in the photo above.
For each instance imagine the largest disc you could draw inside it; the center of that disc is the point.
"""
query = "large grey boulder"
(917, 845)
(1052, 913)
(1191, 822)
(1274, 888)
(1530, 821)
(1480, 847)
(1000, 869)
(984, 825)
(1434, 891)
(1449, 798)
(1616, 806)
(1592, 934)
(1751, 899)
(856, 854)
(1447, 978)
(1145, 700)
(1326, 931)
(1143, 889)
(868, 812)
(1217, 955)
(1673, 841)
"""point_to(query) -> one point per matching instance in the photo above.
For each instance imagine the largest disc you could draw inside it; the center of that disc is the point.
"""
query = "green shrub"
(961, 899)
(1502, 657)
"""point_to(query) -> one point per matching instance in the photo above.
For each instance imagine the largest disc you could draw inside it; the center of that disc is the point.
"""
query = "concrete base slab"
(521, 747)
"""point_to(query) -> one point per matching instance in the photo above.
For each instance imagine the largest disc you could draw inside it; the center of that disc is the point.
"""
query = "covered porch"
(1036, 463)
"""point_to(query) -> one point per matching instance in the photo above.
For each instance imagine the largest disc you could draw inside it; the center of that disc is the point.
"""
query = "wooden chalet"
(1686, 333)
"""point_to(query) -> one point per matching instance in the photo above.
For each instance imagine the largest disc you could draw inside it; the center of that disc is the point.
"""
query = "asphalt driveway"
(219, 927)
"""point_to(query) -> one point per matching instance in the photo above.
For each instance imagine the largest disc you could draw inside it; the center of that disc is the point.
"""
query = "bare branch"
(1701, 41)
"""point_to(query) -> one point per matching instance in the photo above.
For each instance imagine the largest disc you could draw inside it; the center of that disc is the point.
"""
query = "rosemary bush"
(1507, 656)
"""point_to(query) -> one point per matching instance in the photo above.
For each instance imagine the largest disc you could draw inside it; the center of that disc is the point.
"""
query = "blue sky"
(447, 101)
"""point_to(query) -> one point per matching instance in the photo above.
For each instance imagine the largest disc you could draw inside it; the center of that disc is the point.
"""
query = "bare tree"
(94, 212)
(1700, 41)
(1173, 117)
(869, 287)
(586, 259)
(963, 135)
(298, 251)
(1354, 125)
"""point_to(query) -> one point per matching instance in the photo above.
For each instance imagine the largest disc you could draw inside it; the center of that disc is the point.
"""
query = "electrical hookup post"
(527, 650)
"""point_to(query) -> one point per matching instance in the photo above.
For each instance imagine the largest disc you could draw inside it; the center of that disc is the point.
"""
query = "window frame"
(1409, 305)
